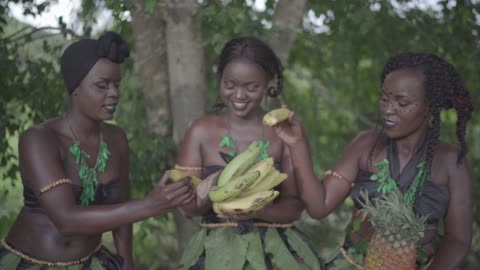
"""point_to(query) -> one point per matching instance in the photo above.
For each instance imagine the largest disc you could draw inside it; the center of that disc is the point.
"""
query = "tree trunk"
(151, 60)
(188, 86)
(285, 26)
(186, 65)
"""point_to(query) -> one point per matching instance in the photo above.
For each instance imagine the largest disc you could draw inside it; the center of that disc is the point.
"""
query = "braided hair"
(256, 51)
(445, 90)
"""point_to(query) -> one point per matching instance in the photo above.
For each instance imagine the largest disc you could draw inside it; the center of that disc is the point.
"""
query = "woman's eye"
(252, 87)
(102, 85)
(228, 84)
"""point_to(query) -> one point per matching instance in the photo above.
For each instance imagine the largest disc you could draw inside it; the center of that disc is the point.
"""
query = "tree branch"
(320, 90)
(14, 37)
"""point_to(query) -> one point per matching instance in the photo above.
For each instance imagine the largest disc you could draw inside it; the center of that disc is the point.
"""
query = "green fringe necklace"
(228, 140)
(387, 184)
(88, 175)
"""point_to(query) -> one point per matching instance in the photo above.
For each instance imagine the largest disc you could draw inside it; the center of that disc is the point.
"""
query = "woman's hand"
(166, 195)
(290, 131)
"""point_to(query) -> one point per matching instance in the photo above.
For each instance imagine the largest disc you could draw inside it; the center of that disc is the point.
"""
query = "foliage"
(331, 82)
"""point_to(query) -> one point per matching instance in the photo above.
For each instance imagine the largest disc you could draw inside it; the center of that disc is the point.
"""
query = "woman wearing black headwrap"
(74, 170)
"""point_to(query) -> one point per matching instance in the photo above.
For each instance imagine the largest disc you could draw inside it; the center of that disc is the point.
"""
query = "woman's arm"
(190, 156)
(322, 197)
(122, 235)
(458, 222)
(41, 164)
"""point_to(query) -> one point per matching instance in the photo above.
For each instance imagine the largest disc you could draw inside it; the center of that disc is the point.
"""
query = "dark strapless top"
(108, 193)
(432, 202)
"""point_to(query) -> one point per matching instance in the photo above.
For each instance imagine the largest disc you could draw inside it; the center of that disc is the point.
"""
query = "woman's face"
(403, 103)
(98, 93)
(242, 86)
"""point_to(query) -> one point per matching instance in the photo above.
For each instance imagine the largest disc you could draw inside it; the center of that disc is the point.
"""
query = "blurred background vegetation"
(333, 52)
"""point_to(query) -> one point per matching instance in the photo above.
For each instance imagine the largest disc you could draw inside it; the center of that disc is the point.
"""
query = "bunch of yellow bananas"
(245, 185)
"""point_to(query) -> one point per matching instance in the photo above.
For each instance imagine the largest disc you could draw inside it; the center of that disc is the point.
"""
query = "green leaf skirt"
(258, 248)
(102, 259)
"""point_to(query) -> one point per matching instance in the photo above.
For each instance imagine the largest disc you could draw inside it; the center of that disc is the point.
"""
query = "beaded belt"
(47, 263)
(256, 224)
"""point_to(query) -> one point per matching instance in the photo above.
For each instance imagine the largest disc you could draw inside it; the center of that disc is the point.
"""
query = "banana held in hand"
(276, 116)
(239, 164)
(233, 188)
(263, 167)
(176, 175)
(273, 179)
(247, 204)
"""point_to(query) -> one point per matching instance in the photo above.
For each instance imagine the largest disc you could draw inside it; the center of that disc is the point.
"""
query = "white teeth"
(239, 105)
(388, 124)
(111, 108)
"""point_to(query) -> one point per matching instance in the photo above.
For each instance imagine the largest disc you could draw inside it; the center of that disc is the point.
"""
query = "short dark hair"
(256, 51)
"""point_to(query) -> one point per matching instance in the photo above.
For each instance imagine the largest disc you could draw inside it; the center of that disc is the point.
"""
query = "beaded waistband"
(256, 224)
(47, 263)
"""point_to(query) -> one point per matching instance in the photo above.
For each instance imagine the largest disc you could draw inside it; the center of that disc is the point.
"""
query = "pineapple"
(393, 246)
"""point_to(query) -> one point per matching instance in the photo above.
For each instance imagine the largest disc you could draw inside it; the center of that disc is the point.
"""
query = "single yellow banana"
(276, 116)
(273, 179)
(233, 188)
(176, 175)
(244, 205)
(263, 167)
(216, 209)
(239, 164)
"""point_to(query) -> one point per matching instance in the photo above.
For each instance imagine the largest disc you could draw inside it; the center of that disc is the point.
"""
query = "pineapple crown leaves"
(389, 214)
(387, 184)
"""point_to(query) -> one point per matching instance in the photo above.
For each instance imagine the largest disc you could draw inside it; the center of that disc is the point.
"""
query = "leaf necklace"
(228, 140)
(387, 184)
(88, 175)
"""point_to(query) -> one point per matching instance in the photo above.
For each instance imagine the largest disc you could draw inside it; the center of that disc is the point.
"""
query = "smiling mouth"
(239, 106)
(111, 108)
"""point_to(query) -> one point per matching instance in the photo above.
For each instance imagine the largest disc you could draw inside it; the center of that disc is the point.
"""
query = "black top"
(432, 202)
(108, 193)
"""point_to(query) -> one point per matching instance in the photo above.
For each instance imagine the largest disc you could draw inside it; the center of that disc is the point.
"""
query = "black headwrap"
(81, 56)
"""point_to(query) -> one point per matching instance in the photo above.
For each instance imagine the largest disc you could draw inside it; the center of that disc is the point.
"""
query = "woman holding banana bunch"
(403, 178)
(255, 198)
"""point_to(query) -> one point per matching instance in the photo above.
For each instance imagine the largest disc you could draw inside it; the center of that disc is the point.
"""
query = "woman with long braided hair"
(431, 174)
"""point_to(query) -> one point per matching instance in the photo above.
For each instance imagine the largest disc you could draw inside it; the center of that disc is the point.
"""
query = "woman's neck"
(81, 127)
(255, 117)
(410, 144)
